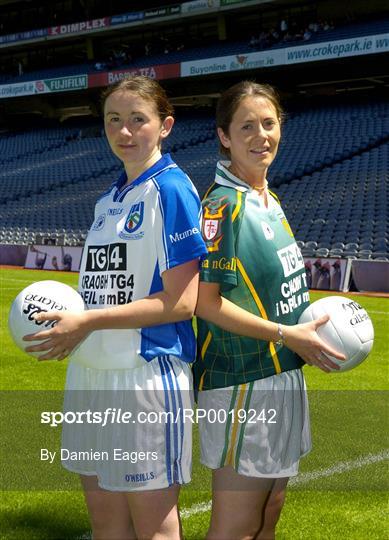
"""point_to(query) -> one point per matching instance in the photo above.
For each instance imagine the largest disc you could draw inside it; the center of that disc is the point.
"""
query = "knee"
(271, 516)
(105, 528)
(157, 535)
(169, 529)
(99, 522)
(241, 533)
(274, 507)
(223, 535)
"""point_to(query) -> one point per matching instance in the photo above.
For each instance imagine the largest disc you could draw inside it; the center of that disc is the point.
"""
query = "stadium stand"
(218, 49)
(331, 175)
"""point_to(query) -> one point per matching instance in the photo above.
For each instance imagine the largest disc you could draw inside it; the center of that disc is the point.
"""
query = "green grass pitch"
(341, 492)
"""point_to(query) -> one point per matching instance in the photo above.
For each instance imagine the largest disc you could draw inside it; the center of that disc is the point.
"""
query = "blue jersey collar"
(164, 162)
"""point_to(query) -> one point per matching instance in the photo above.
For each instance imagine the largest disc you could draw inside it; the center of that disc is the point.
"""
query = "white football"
(349, 330)
(38, 297)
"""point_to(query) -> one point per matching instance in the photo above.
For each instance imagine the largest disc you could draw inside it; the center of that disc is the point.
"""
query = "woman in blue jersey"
(252, 291)
(130, 350)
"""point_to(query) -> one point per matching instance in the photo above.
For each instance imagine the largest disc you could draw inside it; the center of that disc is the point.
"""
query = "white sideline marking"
(23, 280)
(198, 508)
(304, 478)
(15, 279)
(339, 468)
(26, 281)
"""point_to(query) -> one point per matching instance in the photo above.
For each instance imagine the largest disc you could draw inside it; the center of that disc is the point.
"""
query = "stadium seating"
(331, 175)
(218, 49)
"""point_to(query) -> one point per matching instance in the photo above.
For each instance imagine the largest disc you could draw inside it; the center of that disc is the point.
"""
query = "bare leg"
(155, 514)
(237, 505)
(272, 510)
(109, 512)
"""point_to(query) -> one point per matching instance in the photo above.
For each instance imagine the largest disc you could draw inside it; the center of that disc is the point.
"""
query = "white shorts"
(261, 429)
(122, 425)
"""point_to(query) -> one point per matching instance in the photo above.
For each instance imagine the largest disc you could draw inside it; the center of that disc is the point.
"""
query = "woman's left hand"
(70, 330)
(304, 340)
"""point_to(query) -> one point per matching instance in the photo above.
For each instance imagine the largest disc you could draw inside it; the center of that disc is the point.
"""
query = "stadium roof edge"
(131, 24)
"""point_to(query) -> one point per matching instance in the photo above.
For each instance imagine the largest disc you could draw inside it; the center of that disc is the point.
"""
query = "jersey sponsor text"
(291, 259)
(181, 236)
(107, 257)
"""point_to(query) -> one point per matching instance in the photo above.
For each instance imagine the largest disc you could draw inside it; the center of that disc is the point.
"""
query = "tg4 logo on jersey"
(133, 222)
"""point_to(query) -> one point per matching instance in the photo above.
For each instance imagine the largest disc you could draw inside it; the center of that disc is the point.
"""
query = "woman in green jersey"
(253, 290)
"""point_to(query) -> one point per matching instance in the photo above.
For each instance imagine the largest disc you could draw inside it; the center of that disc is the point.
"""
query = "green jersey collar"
(225, 178)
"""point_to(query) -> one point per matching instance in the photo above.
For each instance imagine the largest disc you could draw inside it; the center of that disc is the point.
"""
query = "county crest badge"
(211, 227)
(135, 217)
(213, 216)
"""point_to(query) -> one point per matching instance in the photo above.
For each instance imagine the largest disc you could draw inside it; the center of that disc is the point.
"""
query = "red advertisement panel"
(166, 71)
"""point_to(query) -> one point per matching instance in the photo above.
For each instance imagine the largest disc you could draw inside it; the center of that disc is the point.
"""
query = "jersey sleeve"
(179, 238)
(218, 232)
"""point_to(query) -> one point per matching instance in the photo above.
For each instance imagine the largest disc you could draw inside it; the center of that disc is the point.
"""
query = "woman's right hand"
(59, 341)
(304, 340)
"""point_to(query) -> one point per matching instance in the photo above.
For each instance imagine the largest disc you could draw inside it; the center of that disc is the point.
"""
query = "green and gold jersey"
(253, 255)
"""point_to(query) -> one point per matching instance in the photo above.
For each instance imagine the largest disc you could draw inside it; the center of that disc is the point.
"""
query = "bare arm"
(300, 338)
(213, 307)
(176, 302)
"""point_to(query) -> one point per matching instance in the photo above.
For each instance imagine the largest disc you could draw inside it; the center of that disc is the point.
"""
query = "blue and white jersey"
(140, 231)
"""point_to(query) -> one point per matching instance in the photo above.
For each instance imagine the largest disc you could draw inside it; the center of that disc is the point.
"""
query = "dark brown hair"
(148, 89)
(231, 98)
